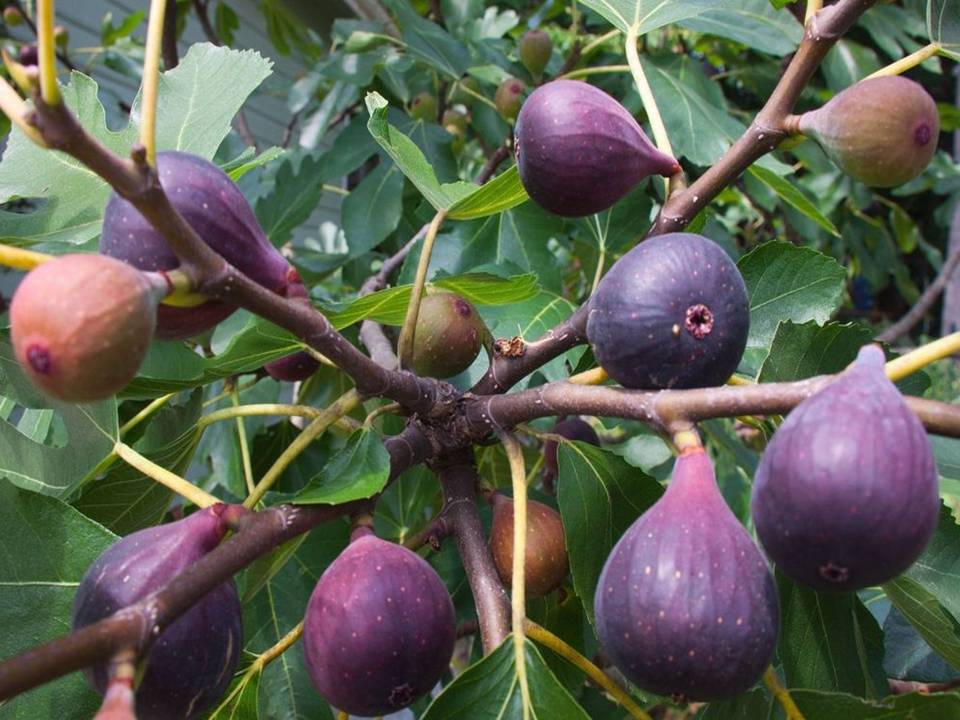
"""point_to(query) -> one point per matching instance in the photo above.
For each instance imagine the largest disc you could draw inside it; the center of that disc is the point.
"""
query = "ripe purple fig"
(379, 628)
(424, 107)
(293, 368)
(579, 150)
(535, 50)
(29, 56)
(686, 604)
(573, 429)
(448, 336)
(214, 206)
(671, 313)
(845, 495)
(882, 131)
(191, 663)
(509, 97)
(545, 560)
(81, 325)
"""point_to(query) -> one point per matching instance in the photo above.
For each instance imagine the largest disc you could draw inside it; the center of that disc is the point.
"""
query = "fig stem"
(47, 54)
(151, 80)
(408, 331)
(339, 407)
(908, 62)
(244, 447)
(518, 476)
(21, 259)
(570, 654)
(782, 695)
(599, 70)
(597, 42)
(388, 409)
(596, 376)
(486, 101)
(191, 492)
(149, 410)
(813, 7)
(917, 359)
(16, 109)
(181, 292)
(226, 392)
(258, 409)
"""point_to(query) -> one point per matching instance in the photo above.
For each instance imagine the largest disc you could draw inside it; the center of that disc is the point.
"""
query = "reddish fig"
(424, 107)
(293, 368)
(448, 337)
(214, 206)
(81, 325)
(671, 313)
(191, 663)
(535, 49)
(545, 560)
(379, 628)
(686, 604)
(579, 150)
(845, 495)
(882, 131)
(573, 429)
(509, 97)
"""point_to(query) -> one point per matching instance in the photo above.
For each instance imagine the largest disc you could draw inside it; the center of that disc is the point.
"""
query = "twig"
(46, 53)
(171, 57)
(493, 162)
(907, 63)
(773, 684)
(924, 302)
(155, 472)
(151, 80)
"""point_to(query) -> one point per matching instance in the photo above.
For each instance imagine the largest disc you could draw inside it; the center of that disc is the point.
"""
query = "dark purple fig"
(686, 604)
(379, 628)
(545, 560)
(424, 107)
(535, 49)
(81, 325)
(29, 56)
(882, 131)
(579, 150)
(573, 429)
(448, 337)
(293, 368)
(845, 495)
(214, 206)
(509, 97)
(191, 663)
(671, 313)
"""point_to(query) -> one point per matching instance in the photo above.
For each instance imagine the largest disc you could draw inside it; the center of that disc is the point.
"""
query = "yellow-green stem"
(790, 708)
(149, 410)
(600, 70)
(570, 654)
(595, 376)
(16, 109)
(518, 476)
(813, 7)
(389, 408)
(151, 80)
(18, 257)
(47, 53)
(191, 492)
(598, 42)
(907, 63)
(244, 448)
(915, 360)
(409, 329)
(181, 291)
(226, 393)
(258, 409)
(335, 189)
(344, 404)
(476, 95)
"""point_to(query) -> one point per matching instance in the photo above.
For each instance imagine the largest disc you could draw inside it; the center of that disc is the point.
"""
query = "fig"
(545, 560)
(671, 313)
(454, 122)
(579, 150)
(423, 107)
(882, 131)
(573, 429)
(379, 628)
(448, 336)
(685, 604)
(29, 55)
(61, 36)
(509, 97)
(214, 206)
(535, 49)
(845, 495)
(293, 368)
(81, 325)
(191, 663)
(12, 16)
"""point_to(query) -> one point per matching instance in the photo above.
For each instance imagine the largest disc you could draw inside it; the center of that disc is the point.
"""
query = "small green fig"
(61, 36)
(535, 49)
(509, 98)
(12, 16)
(545, 562)
(81, 325)
(882, 131)
(448, 336)
(454, 122)
(423, 107)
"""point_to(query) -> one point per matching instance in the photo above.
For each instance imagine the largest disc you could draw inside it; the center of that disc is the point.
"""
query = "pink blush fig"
(686, 604)
(846, 493)
(379, 628)
(545, 560)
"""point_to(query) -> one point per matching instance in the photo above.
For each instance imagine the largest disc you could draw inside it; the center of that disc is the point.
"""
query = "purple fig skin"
(213, 206)
(379, 628)
(448, 337)
(572, 429)
(846, 493)
(686, 604)
(193, 660)
(882, 131)
(671, 313)
(293, 368)
(579, 150)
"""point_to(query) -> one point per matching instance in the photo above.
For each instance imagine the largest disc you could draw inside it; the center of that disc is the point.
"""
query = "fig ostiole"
(579, 150)
(573, 428)
(379, 628)
(509, 97)
(81, 325)
(686, 604)
(846, 493)
(671, 313)
(881, 131)
(448, 337)
(192, 661)
(545, 558)
(215, 208)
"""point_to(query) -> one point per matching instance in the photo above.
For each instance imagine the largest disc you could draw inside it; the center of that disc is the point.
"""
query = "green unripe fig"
(423, 107)
(448, 336)
(882, 131)
(535, 49)
(12, 16)
(509, 98)
(545, 562)
(61, 36)
(81, 325)
(454, 122)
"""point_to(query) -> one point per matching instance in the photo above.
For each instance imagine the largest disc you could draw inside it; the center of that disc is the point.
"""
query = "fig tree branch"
(924, 302)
